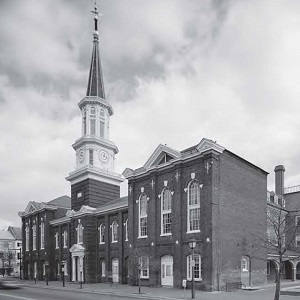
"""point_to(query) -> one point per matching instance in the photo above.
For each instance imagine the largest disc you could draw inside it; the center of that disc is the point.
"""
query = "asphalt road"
(28, 293)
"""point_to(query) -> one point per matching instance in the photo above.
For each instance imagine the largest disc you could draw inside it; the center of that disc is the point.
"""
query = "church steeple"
(95, 83)
(94, 181)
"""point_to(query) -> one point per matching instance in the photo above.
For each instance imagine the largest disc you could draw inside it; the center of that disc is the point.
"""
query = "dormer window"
(93, 121)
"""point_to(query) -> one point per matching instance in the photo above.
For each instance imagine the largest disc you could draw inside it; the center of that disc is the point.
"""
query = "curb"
(88, 291)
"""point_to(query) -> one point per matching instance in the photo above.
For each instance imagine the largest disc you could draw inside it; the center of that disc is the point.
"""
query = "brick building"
(204, 193)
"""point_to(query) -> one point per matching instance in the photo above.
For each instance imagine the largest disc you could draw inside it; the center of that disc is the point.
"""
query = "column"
(73, 269)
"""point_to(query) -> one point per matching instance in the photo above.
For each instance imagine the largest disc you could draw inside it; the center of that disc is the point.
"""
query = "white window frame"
(126, 230)
(27, 237)
(42, 234)
(103, 268)
(34, 236)
(65, 239)
(193, 207)
(165, 211)
(143, 216)
(56, 240)
(297, 240)
(93, 120)
(102, 123)
(144, 266)
(102, 234)
(114, 232)
(79, 230)
(189, 267)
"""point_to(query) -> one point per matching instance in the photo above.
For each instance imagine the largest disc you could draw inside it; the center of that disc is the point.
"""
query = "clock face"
(81, 156)
(103, 156)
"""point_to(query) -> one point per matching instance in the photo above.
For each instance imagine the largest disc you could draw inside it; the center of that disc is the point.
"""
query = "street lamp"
(46, 271)
(192, 245)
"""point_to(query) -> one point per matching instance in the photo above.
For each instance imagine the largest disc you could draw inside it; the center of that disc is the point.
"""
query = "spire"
(95, 83)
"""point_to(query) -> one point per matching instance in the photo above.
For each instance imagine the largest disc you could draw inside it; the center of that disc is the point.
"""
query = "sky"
(174, 72)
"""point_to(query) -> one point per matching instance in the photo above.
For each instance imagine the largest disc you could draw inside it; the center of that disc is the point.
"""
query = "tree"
(141, 261)
(282, 230)
(8, 254)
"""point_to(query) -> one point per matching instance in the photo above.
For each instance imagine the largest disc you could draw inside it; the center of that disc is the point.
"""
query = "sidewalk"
(262, 292)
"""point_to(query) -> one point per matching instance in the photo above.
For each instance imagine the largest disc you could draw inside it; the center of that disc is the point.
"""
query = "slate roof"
(16, 232)
(115, 204)
(63, 201)
(6, 235)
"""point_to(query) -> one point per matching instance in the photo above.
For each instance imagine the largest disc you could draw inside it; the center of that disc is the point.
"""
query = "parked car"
(9, 284)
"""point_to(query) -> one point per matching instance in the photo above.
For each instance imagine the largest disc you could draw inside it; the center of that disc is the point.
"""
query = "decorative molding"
(130, 190)
(152, 183)
(207, 166)
(159, 196)
(201, 186)
(185, 190)
(192, 175)
(166, 183)
(177, 175)
(142, 189)
(172, 193)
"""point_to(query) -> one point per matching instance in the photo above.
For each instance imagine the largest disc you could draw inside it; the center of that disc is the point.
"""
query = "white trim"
(189, 267)
(165, 211)
(144, 216)
(193, 206)
(114, 224)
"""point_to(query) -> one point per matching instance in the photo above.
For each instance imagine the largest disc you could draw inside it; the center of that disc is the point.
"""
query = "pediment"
(70, 213)
(161, 155)
(77, 248)
(30, 208)
(207, 145)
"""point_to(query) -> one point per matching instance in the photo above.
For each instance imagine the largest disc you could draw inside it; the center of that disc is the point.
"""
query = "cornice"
(94, 173)
(96, 100)
(89, 139)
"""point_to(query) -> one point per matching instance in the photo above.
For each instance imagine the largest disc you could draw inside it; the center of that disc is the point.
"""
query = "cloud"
(174, 73)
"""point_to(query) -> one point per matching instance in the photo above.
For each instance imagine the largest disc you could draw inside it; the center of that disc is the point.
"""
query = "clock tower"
(94, 181)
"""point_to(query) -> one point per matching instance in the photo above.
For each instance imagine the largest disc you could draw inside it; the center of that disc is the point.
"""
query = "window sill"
(193, 231)
(143, 237)
(165, 234)
(144, 277)
(101, 243)
(126, 240)
(113, 242)
(196, 279)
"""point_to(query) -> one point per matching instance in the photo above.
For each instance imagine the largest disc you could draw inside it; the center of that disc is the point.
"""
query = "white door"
(115, 270)
(167, 270)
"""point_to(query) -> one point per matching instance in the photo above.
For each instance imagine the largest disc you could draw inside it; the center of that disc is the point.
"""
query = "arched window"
(84, 121)
(27, 237)
(102, 234)
(79, 230)
(193, 209)
(114, 232)
(65, 235)
(166, 212)
(103, 268)
(102, 122)
(34, 236)
(93, 121)
(143, 216)
(197, 267)
(56, 240)
(42, 234)
(126, 230)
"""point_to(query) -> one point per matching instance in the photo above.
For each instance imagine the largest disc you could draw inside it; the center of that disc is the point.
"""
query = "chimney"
(279, 179)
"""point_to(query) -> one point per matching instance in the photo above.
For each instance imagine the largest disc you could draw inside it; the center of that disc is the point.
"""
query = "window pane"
(93, 126)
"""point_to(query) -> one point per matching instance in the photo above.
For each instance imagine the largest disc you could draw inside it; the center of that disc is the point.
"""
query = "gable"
(208, 145)
(161, 155)
(30, 208)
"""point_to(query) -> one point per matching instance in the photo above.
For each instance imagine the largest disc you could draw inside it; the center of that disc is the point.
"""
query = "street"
(28, 293)
(38, 293)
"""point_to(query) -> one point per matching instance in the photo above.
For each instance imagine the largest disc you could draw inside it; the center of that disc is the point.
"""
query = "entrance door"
(167, 270)
(245, 270)
(115, 270)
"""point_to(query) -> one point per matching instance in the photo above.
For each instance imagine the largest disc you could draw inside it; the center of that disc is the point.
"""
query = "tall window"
(102, 268)
(102, 123)
(102, 234)
(91, 157)
(143, 217)
(193, 210)
(114, 232)
(166, 212)
(27, 236)
(79, 233)
(197, 267)
(93, 121)
(126, 230)
(34, 236)
(65, 238)
(56, 240)
(42, 234)
(84, 122)
(144, 266)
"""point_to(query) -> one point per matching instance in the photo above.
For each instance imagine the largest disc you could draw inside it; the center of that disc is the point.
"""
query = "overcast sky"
(174, 71)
